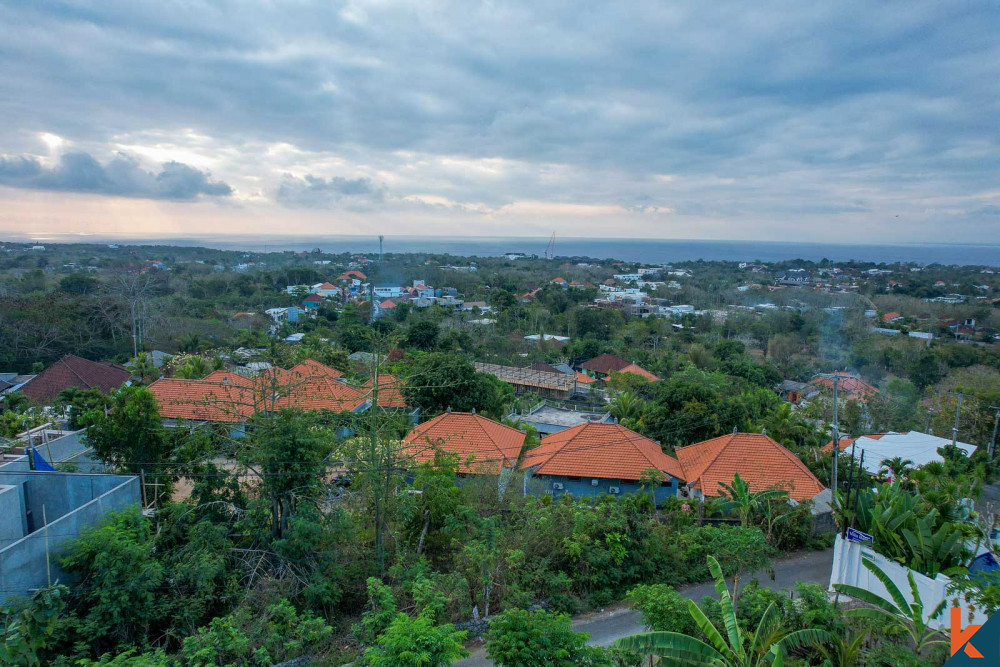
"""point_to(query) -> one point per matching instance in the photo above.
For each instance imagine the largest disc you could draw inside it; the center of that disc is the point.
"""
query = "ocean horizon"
(651, 251)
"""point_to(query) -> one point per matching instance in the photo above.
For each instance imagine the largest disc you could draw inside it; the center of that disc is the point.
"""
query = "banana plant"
(732, 646)
(844, 651)
(896, 612)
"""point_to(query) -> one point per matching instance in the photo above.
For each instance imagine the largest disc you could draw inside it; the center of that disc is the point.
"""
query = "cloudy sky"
(786, 121)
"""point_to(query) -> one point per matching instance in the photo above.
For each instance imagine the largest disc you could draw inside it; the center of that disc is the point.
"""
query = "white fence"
(848, 568)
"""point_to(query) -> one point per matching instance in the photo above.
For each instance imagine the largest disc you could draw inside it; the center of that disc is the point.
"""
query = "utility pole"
(835, 378)
(996, 422)
(380, 240)
(958, 415)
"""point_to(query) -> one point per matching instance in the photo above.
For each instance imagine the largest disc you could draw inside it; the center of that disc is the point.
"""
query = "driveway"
(610, 625)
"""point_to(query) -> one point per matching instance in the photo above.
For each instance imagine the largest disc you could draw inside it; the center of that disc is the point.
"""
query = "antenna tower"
(380, 239)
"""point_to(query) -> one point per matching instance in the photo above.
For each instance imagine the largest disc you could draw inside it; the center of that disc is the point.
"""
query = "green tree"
(422, 335)
(744, 501)
(767, 644)
(417, 642)
(143, 368)
(119, 582)
(29, 628)
(131, 436)
(521, 638)
(439, 381)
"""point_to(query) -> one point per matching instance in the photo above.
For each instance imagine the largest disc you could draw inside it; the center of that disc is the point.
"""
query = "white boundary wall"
(849, 569)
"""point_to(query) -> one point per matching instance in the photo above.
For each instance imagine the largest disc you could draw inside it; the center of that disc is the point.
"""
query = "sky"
(836, 121)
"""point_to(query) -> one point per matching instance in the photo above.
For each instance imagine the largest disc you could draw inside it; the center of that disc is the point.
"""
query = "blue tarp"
(40, 463)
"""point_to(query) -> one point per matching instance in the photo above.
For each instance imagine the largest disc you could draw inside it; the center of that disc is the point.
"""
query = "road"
(608, 626)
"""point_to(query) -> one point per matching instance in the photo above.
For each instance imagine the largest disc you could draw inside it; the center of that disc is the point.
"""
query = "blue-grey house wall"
(585, 487)
(78, 502)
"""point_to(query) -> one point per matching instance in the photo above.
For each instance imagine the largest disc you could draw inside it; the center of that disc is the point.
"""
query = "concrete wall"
(585, 487)
(13, 525)
(848, 568)
(23, 563)
(59, 493)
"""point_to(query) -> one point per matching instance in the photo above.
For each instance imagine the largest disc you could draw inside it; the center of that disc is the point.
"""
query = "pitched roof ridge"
(72, 370)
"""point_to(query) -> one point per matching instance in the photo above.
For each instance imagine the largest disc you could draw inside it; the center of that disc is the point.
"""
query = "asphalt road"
(608, 626)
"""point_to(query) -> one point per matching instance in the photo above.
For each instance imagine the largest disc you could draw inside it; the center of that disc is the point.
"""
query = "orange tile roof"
(390, 393)
(482, 445)
(559, 280)
(318, 393)
(203, 401)
(583, 378)
(849, 386)
(228, 377)
(602, 450)
(847, 442)
(638, 370)
(889, 317)
(313, 368)
(760, 461)
(327, 286)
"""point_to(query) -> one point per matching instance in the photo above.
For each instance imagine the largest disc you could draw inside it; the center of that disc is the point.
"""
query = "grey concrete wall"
(13, 525)
(62, 448)
(59, 493)
(19, 464)
(23, 563)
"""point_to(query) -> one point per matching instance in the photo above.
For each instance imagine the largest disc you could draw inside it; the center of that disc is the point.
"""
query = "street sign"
(857, 536)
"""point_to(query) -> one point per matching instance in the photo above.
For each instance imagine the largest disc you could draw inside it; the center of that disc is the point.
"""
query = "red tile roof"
(389, 391)
(850, 387)
(317, 393)
(228, 377)
(583, 378)
(847, 442)
(313, 298)
(640, 371)
(74, 371)
(482, 445)
(889, 317)
(601, 450)
(202, 400)
(313, 368)
(605, 363)
(559, 280)
(327, 286)
(388, 303)
(760, 461)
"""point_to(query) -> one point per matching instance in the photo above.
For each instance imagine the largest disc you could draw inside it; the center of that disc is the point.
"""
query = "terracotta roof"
(482, 444)
(311, 368)
(313, 298)
(201, 400)
(388, 303)
(640, 371)
(228, 377)
(889, 317)
(74, 371)
(602, 450)
(760, 461)
(847, 442)
(318, 393)
(327, 286)
(605, 363)
(583, 378)
(389, 391)
(558, 280)
(851, 387)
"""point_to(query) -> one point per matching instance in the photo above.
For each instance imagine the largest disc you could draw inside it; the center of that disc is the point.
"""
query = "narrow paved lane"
(608, 626)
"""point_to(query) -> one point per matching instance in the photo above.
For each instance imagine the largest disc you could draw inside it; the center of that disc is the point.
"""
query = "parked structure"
(551, 385)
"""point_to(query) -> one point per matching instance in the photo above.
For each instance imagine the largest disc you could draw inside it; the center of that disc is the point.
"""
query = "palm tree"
(143, 367)
(898, 612)
(627, 406)
(844, 651)
(897, 466)
(738, 647)
(745, 501)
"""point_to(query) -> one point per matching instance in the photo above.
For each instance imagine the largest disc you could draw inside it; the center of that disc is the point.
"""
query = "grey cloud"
(316, 192)
(121, 176)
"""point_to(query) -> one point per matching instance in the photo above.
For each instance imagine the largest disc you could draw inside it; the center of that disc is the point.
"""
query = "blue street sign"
(857, 536)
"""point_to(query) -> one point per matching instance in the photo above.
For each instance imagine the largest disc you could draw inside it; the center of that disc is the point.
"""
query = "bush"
(663, 609)
(520, 638)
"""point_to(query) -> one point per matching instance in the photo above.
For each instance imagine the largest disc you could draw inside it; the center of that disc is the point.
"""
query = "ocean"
(652, 251)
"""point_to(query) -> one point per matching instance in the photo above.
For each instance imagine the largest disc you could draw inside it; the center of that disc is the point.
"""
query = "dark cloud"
(802, 106)
(121, 176)
(315, 192)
